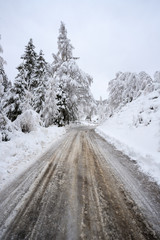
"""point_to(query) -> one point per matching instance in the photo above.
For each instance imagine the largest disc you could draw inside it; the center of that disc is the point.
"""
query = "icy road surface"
(82, 188)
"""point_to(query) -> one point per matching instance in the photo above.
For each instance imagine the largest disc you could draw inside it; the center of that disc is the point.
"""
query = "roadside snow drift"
(24, 148)
(135, 130)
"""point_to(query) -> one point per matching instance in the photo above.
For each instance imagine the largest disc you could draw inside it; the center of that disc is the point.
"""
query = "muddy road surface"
(82, 188)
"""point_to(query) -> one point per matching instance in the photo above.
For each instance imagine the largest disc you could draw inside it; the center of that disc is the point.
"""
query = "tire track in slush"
(114, 219)
(13, 196)
(30, 206)
(77, 196)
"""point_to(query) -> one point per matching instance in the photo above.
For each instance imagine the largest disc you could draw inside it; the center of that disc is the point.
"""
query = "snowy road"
(82, 188)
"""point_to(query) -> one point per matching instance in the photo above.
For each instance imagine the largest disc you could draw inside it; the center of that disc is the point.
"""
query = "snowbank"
(23, 149)
(135, 130)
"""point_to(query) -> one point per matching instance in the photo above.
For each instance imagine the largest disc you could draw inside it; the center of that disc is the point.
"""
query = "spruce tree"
(49, 113)
(21, 94)
(41, 78)
(4, 86)
(64, 46)
(26, 70)
(72, 84)
(5, 82)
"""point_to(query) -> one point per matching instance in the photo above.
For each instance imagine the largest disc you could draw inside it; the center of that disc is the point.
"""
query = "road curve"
(82, 188)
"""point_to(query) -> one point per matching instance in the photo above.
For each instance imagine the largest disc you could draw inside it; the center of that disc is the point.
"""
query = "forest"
(58, 93)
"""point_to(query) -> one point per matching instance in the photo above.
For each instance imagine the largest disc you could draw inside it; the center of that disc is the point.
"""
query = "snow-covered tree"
(73, 85)
(73, 91)
(116, 88)
(101, 109)
(5, 127)
(26, 70)
(64, 46)
(60, 70)
(5, 82)
(146, 83)
(41, 77)
(126, 87)
(16, 102)
(21, 94)
(50, 106)
(157, 77)
(157, 80)
(2, 87)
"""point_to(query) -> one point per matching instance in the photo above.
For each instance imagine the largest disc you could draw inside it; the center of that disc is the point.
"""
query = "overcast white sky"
(108, 35)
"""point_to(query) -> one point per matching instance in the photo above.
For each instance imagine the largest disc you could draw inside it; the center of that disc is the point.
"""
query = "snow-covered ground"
(135, 130)
(23, 149)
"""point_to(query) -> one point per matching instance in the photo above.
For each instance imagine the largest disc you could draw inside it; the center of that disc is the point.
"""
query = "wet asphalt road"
(82, 188)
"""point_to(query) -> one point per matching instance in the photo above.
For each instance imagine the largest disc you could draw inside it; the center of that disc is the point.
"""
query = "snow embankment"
(23, 149)
(135, 130)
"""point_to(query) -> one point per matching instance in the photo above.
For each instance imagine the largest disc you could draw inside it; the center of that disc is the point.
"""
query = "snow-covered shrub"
(142, 119)
(28, 121)
(6, 128)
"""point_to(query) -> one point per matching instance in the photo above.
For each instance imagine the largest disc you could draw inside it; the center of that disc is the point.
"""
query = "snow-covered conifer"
(4, 121)
(64, 46)
(50, 106)
(4, 86)
(5, 82)
(15, 101)
(21, 95)
(41, 77)
(26, 69)
(73, 84)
